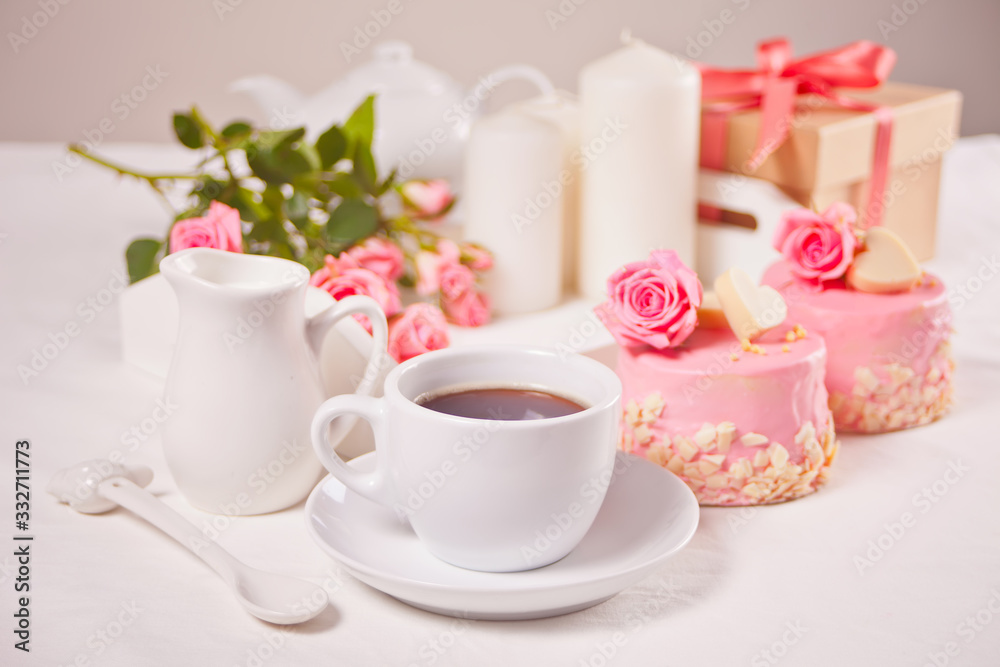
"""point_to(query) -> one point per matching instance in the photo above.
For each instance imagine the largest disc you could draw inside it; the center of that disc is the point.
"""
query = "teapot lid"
(393, 69)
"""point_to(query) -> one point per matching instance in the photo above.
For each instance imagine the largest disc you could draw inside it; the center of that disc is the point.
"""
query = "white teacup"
(486, 494)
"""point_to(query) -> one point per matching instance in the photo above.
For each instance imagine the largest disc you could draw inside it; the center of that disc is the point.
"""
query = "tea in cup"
(498, 456)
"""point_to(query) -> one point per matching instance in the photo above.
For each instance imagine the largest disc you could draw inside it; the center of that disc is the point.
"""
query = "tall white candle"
(562, 109)
(514, 207)
(640, 119)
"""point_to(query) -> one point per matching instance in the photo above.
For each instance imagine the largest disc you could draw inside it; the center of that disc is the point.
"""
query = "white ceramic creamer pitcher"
(244, 381)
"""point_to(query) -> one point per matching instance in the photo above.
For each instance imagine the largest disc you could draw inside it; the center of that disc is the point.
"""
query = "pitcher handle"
(319, 324)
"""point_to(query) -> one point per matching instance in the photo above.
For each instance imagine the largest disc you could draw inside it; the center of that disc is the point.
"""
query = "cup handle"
(319, 324)
(372, 485)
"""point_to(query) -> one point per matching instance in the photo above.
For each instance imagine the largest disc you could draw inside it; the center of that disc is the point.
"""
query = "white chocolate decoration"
(750, 310)
(885, 265)
(710, 315)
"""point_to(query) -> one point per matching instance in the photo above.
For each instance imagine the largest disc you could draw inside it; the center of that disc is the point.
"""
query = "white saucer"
(648, 515)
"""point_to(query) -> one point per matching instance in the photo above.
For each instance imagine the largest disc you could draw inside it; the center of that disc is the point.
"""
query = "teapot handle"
(524, 73)
(319, 324)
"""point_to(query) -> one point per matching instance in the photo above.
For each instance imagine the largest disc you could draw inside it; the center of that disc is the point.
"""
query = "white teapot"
(422, 115)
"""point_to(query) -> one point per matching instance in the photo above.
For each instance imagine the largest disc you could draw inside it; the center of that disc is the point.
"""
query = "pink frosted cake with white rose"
(886, 323)
(741, 422)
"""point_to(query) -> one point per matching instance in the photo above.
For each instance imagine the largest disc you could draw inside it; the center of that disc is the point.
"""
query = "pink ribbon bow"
(774, 86)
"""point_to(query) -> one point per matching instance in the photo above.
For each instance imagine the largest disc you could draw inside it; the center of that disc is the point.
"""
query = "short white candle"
(640, 119)
(514, 208)
(562, 109)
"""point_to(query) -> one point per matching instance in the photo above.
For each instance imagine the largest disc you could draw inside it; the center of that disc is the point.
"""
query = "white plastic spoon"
(96, 486)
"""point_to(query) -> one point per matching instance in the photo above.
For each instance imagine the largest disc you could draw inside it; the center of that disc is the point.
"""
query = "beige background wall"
(62, 79)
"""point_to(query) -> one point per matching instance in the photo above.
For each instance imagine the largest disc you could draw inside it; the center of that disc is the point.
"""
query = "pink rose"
(427, 200)
(428, 272)
(338, 265)
(220, 229)
(420, 328)
(653, 302)
(449, 251)
(379, 255)
(476, 257)
(341, 282)
(431, 264)
(469, 309)
(455, 280)
(442, 272)
(819, 247)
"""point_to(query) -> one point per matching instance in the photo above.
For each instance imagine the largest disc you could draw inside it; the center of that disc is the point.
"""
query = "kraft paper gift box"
(828, 155)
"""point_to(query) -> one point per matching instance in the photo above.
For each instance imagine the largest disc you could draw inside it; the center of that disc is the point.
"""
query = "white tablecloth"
(832, 579)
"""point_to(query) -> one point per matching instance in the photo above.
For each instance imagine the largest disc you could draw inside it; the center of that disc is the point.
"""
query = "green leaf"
(236, 130)
(275, 138)
(188, 131)
(281, 249)
(345, 186)
(273, 199)
(209, 189)
(386, 184)
(308, 184)
(352, 220)
(307, 153)
(141, 258)
(245, 201)
(264, 165)
(293, 163)
(331, 146)
(313, 260)
(269, 230)
(297, 210)
(277, 166)
(364, 168)
(360, 127)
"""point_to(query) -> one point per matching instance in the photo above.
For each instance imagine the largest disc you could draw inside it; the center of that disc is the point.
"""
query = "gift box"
(828, 154)
(823, 143)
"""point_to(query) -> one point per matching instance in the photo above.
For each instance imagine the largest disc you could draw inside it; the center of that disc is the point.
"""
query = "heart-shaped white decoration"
(885, 264)
(710, 314)
(750, 309)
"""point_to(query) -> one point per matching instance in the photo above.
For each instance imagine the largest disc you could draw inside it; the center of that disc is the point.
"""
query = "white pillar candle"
(514, 208)
(640, 119)
(562, 109)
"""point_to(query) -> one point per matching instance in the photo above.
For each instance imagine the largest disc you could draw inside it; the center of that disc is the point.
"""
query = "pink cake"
(889, 363)
(739, 427)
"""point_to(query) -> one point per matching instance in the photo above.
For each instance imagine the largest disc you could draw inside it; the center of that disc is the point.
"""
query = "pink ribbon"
(774, 87)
